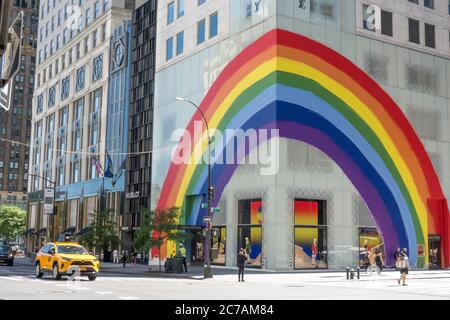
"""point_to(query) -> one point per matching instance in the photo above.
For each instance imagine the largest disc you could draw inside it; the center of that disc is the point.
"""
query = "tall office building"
(79, 115)
(357, 93)
(15, 124)
(140, 121)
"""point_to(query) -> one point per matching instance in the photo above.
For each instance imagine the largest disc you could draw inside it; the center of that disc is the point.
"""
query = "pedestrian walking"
(133, 257)
(124, 257)
(397, 255)
(115, 256)
(372, 260)
(182, 252)
(379, 261)
(241, 258)
(248, 249)
(403, 266)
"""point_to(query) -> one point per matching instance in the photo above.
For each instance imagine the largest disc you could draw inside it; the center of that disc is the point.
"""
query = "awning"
(70, 230)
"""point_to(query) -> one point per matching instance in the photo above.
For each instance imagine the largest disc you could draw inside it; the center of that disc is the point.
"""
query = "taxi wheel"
(92, 278)
(38, 272)
(56, 275)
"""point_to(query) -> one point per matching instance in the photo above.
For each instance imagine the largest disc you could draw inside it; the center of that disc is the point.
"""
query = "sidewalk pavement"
(221, 273)
(194, 272)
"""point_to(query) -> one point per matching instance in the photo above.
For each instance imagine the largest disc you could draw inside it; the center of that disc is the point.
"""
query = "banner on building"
(49, 200)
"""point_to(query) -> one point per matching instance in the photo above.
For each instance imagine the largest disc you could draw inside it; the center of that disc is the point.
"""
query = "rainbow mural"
(313, 94)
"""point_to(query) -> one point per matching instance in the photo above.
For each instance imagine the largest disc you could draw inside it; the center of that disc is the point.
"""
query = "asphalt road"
(18, 283)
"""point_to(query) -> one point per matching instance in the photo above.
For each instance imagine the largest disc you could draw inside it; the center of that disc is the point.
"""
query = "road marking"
(12, 278)
(103, 292)
(129, 298)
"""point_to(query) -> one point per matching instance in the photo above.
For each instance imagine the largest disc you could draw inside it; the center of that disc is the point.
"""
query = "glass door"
(434, 243)
(218, 242)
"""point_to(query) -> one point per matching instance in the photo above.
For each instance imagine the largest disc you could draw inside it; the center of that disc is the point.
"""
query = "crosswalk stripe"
(129, 298)
(12, 278)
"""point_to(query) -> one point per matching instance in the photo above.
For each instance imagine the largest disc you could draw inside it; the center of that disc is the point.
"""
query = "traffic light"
(211, 193)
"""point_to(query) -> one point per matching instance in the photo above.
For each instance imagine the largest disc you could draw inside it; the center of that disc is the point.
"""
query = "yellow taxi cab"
(66, 258)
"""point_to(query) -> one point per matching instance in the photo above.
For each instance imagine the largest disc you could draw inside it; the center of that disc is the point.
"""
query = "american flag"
(98, 166)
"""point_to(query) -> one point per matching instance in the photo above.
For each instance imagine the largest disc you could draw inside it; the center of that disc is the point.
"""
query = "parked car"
(6, 254)
(66, 258)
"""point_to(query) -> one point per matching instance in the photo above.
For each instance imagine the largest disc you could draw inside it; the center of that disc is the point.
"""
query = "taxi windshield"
(65, 249)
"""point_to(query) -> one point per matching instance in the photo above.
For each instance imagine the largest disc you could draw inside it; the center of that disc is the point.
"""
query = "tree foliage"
(159, 226)
(102, 233)
(12, 222)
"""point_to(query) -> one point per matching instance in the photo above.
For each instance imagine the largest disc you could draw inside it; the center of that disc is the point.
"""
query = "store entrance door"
(197, 244)
(434, 243)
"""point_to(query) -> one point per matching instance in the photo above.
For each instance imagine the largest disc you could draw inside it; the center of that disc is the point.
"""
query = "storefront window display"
(218, 245)
(370, 243)
(310, 234)
(250, 230)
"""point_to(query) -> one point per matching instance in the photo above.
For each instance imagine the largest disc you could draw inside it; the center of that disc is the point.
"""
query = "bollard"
(352, 274)
(348, 276)
(357, 273)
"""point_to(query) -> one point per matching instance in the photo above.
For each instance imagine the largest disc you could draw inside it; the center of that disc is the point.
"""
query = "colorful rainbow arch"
(315, 95)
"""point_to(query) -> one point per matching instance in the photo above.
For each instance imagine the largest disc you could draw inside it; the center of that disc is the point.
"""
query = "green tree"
(102, 233)
(159, 226)
(12, 222)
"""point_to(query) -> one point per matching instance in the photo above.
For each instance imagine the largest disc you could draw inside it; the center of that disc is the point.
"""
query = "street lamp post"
(52, 234)
(207, 273)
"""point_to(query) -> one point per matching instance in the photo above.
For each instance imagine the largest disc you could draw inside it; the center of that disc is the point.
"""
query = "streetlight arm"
(43, 178)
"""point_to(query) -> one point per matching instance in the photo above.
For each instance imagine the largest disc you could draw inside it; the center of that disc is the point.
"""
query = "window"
(97, 68)
(97, 100)
(78, 109)
(50, 122)
(63, 116)
(51, 96)
(414, 1)
(429, 4)
(60, 17)
(61, 176)
(80, 78)
(430, 36)
(65, 87)
(75, 172)
(40, 103)
(170, 12)
(250, 221)
(310, 234)
(169, 48)
(386, 23)
(180, 43)
(414, 31)
(201, 29)
(180, 9)
(105, 5)
(77, 141)
(94, 134)
(200, 2)
(88, 17)
(96, 10)
(213, 25)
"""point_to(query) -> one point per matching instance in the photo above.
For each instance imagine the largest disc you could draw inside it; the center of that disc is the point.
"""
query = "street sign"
(207, 219)
(215, 209)
(204, 205)
(49, 199)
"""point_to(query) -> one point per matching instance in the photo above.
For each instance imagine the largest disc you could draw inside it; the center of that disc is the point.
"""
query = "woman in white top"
(403, 266)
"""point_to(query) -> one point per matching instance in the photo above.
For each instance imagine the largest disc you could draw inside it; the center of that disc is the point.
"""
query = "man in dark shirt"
(242, 256)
